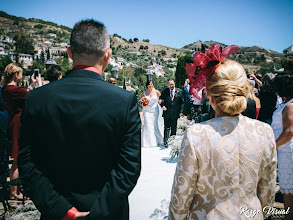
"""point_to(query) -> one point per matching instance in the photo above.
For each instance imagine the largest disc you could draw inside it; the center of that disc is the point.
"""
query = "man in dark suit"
(172, 102)
(80, 155)
(187, 98)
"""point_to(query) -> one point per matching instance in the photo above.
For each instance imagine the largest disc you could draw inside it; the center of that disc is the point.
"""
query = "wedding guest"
(251, 95)
(227, 162)
(250, 110)
(282, 125)
(112, 80)
(3, 114)
(152, 131)
(187, 98)
(92, 162)
(172, 102)
(268, 98)
(14, 98)
(54, 73)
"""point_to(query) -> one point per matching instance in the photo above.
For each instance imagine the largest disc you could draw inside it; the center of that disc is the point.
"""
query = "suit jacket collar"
(84, 73)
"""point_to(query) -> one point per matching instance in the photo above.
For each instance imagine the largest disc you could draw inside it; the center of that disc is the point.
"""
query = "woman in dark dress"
(14, 99)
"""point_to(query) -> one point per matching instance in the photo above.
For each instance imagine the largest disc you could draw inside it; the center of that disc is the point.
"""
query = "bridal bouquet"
(144, 101)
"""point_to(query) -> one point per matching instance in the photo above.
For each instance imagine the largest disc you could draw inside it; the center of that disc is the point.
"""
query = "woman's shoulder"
(14, 89)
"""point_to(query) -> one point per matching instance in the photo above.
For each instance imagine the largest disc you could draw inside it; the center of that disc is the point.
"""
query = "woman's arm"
(287, 133)
(158, 94)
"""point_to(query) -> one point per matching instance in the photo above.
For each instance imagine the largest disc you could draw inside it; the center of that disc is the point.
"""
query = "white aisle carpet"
(154, 184)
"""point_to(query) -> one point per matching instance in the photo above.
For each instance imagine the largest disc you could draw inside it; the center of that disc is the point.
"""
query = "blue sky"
(266, 23)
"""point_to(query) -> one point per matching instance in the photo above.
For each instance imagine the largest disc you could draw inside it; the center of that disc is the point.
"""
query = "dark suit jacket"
(81, 147)
(175, 107)
(186, 94)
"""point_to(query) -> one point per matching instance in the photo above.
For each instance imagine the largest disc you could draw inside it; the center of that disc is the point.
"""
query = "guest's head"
(112, 80)
(54, 73)
(268, 82)
(12, 72)
(90, 44)
(171, 84)
(149, 84)
(284, 85)
(288, 66)
(227, 89)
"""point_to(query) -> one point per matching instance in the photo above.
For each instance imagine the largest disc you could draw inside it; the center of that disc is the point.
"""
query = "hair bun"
(232, 105)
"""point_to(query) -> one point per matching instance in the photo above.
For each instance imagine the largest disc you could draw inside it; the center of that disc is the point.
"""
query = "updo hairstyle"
(228, 87)
(10, 70)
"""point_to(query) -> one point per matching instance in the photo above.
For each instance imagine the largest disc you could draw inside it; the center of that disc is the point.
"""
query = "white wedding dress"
(153, 128)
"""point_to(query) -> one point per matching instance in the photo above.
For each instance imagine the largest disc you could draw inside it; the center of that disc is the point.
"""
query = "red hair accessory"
(202, 65)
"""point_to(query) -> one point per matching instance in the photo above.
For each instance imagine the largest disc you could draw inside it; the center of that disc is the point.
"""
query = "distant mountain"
(259, 49)
(140, 52)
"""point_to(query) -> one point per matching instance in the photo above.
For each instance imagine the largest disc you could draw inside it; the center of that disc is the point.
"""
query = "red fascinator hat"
(203, 64)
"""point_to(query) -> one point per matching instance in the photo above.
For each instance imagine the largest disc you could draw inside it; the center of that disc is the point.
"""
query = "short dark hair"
(171, 80)
(148, 82)
(53, 73)
(89, 37)
(284, 85)
(288, 65)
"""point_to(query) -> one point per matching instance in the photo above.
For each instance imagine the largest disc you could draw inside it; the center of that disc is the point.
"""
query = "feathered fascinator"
(203, 64)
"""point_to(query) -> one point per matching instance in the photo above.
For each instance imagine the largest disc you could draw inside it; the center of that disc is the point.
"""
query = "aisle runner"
(154, 184)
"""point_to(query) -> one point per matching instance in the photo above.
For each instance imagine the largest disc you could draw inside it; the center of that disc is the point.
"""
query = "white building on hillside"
(288, 50)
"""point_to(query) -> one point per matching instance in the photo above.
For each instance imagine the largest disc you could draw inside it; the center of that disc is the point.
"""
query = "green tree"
(146, 40)
(163, 52)
(48, 54)
(180, 74)
(64, 64)
(4, 61)
(108, 68)
(130, 41)
(39, 26)
(23, 44)
(42, 56)
(135, 39)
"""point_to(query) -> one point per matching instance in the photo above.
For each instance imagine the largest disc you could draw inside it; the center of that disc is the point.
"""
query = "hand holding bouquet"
(144, 101)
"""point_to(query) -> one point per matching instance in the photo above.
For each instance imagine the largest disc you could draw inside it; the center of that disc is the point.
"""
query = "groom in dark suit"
(172, 102)
(80, 151)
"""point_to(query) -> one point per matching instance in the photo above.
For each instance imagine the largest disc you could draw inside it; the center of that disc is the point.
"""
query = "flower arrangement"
(144, 101)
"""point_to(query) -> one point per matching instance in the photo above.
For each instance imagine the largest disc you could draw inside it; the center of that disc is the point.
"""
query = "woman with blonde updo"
(227, 165)
(14, 99)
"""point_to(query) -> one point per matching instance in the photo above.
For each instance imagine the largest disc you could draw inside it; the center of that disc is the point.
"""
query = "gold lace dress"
(226, 170)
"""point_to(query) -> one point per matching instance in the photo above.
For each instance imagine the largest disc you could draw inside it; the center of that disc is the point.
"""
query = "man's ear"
(69, 52)
(107, 56)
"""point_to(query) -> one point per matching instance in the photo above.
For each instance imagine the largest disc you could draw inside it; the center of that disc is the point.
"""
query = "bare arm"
(287, 133)
(259, 83)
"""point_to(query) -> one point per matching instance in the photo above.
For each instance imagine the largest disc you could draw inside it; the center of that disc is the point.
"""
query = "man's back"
(82, 126)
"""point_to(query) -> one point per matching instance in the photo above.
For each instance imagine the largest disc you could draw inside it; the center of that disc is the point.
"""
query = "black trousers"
(170, 124)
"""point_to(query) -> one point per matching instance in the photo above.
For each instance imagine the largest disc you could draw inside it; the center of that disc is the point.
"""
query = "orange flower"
(144, 101)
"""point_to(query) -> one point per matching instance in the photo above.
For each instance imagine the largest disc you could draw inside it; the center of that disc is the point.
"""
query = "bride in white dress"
(152, 131)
